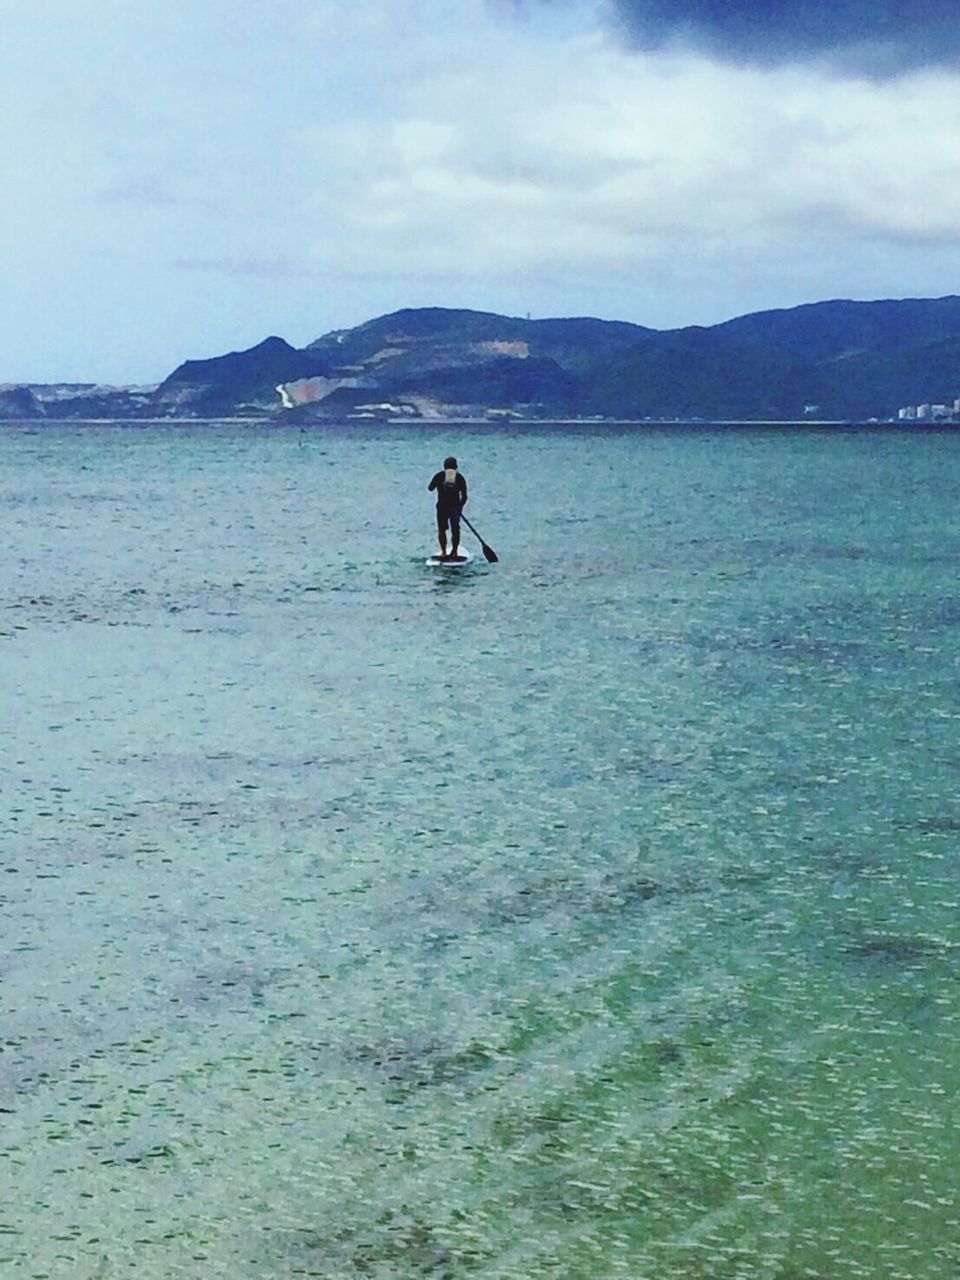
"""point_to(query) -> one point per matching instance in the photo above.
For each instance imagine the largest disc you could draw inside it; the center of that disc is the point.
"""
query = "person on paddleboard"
(451, 499)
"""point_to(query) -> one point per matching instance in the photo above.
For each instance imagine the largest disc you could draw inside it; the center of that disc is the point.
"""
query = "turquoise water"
(591, 914)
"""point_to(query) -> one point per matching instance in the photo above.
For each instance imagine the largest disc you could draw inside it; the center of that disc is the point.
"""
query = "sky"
(182, 178)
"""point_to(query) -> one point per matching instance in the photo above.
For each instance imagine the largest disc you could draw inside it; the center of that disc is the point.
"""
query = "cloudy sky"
(185, 177)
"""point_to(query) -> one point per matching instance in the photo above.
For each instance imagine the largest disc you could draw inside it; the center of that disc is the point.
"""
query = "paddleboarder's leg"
(455, 532)
(442, 533)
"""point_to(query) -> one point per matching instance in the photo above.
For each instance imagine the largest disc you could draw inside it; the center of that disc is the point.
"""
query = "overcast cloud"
(181, 179)
(877, 36)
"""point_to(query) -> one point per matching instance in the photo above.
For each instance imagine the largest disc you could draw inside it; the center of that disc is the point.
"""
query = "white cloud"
(600, 153)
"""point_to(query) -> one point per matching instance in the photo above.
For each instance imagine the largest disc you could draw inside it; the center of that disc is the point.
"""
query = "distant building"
(930, 412)
(383, 409)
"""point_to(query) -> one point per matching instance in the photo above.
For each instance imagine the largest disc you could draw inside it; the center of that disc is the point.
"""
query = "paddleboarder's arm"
(436, 482)
(462, 486)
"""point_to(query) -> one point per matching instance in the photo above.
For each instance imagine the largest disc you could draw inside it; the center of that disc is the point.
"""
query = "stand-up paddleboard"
(463, 557)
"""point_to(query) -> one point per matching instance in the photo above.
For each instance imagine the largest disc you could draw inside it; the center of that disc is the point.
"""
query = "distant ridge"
(835, 360)
(223, 384)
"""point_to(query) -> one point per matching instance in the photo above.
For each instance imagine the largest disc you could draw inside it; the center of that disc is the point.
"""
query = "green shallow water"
(591, 914)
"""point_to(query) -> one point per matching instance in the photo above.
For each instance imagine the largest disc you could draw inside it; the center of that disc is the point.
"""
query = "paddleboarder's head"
(450, 462)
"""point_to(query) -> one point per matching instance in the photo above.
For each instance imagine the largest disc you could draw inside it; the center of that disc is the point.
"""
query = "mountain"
(852, 360)
(18, 401)
(433, 334)
(820, 331)
(699, 373)
(226, 384)
(64, 400)
(470, 362)
(927, 373)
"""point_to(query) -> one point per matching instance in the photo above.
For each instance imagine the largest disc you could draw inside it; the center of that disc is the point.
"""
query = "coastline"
(495, 424)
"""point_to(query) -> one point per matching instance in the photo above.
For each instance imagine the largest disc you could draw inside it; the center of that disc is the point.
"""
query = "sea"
(590, 914)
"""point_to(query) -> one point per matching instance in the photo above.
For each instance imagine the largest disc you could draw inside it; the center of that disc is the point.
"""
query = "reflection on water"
(589, 914)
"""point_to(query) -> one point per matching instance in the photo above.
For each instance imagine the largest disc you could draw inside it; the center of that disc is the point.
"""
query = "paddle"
(489, 553)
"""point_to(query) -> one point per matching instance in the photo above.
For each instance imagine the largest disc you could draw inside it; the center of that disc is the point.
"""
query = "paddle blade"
(489, 553)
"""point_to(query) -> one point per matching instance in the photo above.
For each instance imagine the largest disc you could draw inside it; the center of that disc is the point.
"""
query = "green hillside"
(853, 360)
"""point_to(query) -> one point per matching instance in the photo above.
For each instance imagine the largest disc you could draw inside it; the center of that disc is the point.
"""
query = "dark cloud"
(879, 37)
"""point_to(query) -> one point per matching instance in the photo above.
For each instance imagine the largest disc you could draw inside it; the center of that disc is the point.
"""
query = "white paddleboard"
(463, 557)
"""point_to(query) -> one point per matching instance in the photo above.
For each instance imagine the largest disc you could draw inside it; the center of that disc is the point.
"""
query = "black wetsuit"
(450, 500)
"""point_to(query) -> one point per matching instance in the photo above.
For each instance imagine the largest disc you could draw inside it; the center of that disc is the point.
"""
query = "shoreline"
(519, 423)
